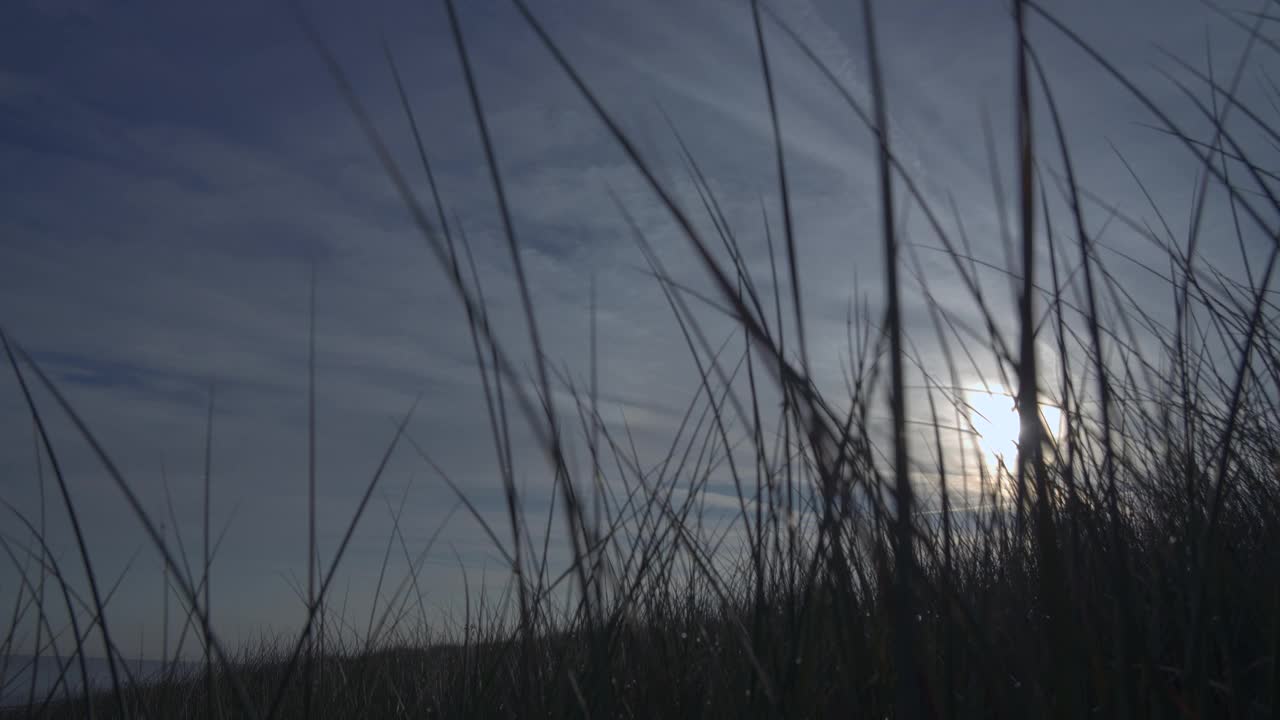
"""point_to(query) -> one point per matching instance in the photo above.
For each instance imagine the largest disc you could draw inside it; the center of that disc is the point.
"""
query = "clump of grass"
(1126, 564)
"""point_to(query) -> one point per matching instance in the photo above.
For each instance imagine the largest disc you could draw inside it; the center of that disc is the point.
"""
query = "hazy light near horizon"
(995, 418)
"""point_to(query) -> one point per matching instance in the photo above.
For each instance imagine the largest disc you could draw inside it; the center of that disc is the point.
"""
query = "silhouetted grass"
(1126, 564)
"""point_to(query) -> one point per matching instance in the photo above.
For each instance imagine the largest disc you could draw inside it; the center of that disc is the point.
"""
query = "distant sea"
(15, 684)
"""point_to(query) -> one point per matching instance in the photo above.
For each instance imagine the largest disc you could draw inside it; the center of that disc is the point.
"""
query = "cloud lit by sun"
(995, 419)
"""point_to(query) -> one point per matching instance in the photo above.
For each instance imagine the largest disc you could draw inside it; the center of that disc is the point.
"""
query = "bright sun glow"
(996, 419)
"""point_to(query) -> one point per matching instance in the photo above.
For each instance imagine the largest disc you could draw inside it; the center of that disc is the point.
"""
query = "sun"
(995, 418)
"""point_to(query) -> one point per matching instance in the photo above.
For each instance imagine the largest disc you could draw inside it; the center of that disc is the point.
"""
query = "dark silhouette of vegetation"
(1127, 564)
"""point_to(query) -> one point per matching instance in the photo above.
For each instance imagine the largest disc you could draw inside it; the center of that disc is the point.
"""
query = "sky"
(175, 172)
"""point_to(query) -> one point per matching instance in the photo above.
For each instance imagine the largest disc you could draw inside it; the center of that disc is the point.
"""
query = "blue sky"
(173, 171)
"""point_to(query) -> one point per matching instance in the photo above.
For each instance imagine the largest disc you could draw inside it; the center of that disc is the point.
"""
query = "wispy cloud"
(171, 178)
